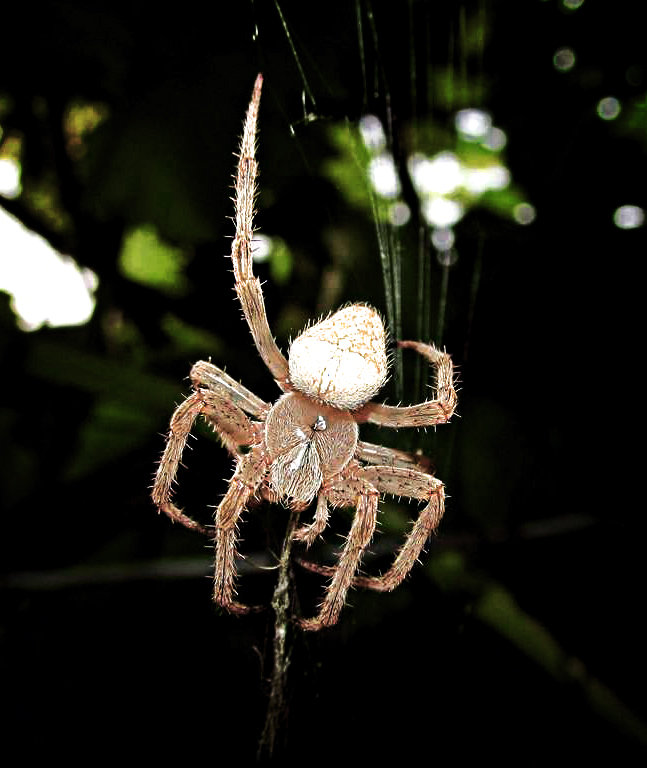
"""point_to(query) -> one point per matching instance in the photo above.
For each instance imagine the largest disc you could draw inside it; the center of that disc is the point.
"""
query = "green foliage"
(281, 261)
(147, 259)
(348, 168)
(190, 339)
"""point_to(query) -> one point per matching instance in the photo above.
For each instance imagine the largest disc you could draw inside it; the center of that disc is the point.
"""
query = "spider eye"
(320, 424)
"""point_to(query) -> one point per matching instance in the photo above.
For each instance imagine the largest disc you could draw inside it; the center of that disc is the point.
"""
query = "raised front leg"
(248, 287)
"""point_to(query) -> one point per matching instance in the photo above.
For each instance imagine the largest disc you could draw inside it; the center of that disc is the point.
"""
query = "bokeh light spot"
(261, 247)
(442, 212)
(473, 124)
(524, 213)
(495, 140)
(399, 214)
(9, 177)
(479, 180)
(608, 108)
(564, 59)
(439, 175)
(384, 176)
(46, 287)
(443, 238)
(372, 133)
(629, 217)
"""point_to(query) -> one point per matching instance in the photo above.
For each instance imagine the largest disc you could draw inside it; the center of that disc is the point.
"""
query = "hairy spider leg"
(209, 376)
(248, 287)
(309, 533)
(436, 411)
(214, 402)
(250, 473)
(391, 457)
(215, 398)
(344, 491)
(179, 431)
(412, 484)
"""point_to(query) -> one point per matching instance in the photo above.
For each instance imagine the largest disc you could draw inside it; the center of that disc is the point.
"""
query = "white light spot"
(479, 180)
(384, 176)
(443, 238)
(495, 140)
(608, 108)
(524, 213)
(372, 133)
(261, 247)
(9, 177)
(442, 212)
(473, 124)
(564, 59)
(440, 175)
(629, 217)
(399, 213)
(47, 288)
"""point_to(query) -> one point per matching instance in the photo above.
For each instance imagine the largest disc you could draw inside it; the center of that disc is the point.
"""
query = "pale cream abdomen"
(341, 360)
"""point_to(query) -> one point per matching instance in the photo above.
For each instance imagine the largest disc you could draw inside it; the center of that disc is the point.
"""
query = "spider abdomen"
(341, 360)
(306, 442)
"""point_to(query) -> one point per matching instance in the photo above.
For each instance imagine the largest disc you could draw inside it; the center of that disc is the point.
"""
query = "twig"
(281, 604)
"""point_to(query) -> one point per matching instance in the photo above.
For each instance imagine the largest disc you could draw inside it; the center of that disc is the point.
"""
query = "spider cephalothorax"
(306, 445)
(306, 441)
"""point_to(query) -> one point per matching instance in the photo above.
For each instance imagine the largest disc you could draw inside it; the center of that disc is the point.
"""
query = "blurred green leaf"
(146, 259)
(281, 261)
(189, 338)
(348, 169)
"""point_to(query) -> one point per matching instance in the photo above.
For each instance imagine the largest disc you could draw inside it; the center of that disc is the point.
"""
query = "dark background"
(520, 636)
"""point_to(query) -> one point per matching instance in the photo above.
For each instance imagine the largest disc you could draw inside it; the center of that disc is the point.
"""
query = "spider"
(306, 445)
